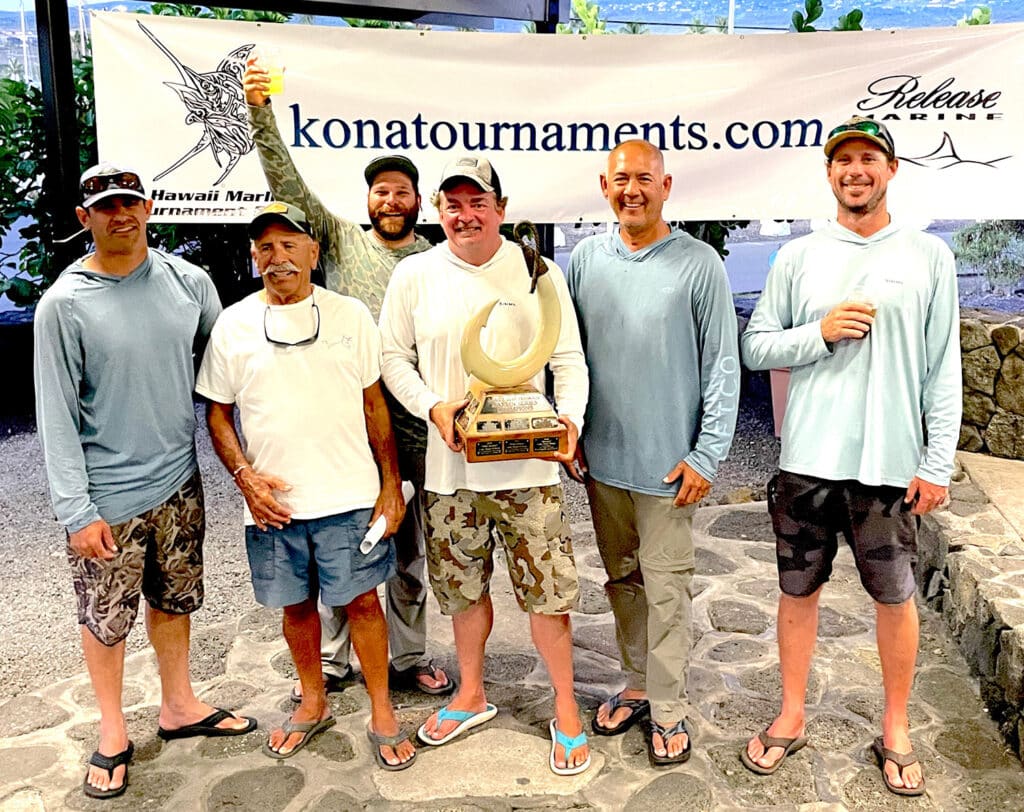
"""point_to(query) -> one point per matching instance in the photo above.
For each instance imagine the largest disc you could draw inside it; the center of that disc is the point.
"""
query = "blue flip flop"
(466, 720)
(568, 745)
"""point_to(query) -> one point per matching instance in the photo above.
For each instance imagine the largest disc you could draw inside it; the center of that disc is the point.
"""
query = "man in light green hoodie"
(865, 313)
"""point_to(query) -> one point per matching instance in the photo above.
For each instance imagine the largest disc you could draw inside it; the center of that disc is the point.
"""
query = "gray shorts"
(809, 514)
(159, 554)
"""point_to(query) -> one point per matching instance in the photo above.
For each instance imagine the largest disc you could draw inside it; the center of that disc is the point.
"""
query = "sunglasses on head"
(866, 127)
(119, 180)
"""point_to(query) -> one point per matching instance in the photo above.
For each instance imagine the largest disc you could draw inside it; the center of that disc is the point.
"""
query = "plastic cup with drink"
(270, 60)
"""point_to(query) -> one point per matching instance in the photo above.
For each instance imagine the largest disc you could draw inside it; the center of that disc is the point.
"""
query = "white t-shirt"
(431, 297)
(301, 407)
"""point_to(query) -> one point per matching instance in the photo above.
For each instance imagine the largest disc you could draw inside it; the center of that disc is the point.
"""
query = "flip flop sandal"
(333, 684)
(308, 731)
(666, 734)
(408, 679)
(208, 727)
(379, 741)
(640, 709)
(789, 746)
(466, 720)
(901, 760)
(108, 763)
(568, 745)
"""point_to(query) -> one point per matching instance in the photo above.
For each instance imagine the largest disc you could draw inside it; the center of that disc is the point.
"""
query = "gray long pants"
(406, 599)
(646, 544)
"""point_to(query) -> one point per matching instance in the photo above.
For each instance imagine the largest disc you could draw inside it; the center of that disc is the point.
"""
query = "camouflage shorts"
(535, 532)
(809, 514)
(159, 553)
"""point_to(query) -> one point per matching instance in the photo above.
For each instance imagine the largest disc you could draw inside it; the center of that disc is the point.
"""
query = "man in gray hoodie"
(865, 313)
(115, 337)
(659, 333)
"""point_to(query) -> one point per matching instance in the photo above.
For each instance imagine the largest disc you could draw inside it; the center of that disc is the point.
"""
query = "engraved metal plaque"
(510, 423)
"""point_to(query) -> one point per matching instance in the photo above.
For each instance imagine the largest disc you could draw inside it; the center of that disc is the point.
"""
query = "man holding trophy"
(430, 301)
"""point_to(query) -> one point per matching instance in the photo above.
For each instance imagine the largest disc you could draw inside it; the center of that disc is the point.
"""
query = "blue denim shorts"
(316, 557)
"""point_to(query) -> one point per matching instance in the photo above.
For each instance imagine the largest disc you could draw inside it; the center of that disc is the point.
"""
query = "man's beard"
(409, 219)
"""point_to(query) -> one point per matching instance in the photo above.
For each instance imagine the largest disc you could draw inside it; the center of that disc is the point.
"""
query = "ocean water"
(664, 16)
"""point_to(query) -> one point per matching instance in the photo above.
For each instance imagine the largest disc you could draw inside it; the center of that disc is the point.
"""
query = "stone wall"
(992, 344)
(971, 571)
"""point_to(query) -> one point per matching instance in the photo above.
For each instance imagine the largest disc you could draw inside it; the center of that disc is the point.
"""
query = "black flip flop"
(333, 684)
(789, 746)
(108, 763)
(667, 733)
(408, 679)
(208, 727)
(901, 760)
(640, 709)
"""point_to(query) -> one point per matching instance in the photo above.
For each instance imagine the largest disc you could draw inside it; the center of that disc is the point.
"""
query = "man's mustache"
(280, 267)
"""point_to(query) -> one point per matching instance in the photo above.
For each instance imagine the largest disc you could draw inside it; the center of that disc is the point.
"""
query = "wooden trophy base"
(509, 423)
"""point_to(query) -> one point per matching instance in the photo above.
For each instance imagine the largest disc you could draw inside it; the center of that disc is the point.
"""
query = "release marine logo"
(907, 98)
(216, 101)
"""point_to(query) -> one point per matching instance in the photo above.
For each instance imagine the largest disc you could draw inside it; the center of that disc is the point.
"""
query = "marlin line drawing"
(215, 100)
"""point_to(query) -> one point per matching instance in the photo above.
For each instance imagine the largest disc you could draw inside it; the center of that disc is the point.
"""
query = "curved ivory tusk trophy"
(514, 372)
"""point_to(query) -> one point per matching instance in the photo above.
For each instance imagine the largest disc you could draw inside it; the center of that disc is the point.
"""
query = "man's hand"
(578, 468)
(692, 489)
(847, 320)
(255, 83)
(573, 453)
(258, 490)
(925, 496)
(389, 503)
(94, 541)
(442, 415)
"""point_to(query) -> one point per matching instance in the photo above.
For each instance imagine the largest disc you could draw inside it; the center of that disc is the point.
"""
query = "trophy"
(506, 418)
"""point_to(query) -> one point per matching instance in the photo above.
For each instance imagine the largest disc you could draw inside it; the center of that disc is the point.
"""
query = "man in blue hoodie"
(659, 334)
(865, 313)
(114, 369)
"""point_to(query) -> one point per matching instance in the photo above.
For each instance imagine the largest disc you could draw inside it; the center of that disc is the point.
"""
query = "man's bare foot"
(567, 720)
(174, 719)
(781, 729)
(112, 742)
(621, 712)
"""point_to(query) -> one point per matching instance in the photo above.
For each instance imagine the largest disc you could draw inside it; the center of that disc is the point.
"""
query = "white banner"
(741, 119)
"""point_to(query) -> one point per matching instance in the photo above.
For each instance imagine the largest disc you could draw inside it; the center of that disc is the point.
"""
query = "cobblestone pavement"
(46, 736)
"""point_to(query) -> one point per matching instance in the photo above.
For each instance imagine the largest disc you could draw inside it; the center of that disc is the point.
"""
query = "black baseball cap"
(281, 213)
(392, 163)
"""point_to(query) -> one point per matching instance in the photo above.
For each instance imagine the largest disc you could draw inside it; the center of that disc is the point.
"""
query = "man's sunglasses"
(866, 127)
(120, 180)
(304, 342)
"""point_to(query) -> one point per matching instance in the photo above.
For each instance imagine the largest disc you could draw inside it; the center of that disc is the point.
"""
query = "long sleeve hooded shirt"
(855, 408)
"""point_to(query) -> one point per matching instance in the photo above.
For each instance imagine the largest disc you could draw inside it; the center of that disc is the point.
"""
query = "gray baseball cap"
(477, 171)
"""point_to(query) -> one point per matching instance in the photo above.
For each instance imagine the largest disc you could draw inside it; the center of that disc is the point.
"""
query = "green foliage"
(698, 26)
(587, 19)
(813, 10)
(994, 247)
(714, 232)
(22, 162)
(215, 13)
(980, 15)
(633, 28)
(355, 22)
